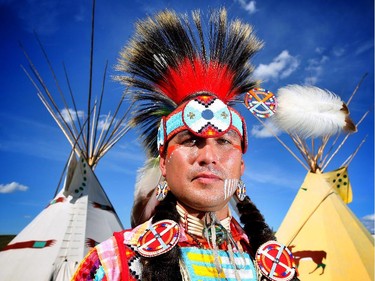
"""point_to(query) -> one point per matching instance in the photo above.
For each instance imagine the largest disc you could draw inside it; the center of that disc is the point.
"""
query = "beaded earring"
(241, 190)
(162, 191)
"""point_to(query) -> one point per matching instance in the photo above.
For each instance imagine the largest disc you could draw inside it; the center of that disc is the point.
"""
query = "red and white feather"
(309, 111)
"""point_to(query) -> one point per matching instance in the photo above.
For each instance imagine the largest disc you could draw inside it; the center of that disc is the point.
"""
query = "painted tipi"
(327, 239)
(53, 244)
(80, 215)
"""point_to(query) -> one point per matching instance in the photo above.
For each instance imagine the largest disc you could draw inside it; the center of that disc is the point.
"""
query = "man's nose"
(207, 153)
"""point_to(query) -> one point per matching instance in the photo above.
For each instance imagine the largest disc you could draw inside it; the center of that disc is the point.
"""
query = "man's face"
(196, 169)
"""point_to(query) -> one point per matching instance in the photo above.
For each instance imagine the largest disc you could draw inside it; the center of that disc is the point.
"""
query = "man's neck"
(221, 214)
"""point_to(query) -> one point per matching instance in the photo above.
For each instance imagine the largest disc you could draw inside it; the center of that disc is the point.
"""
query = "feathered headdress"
(170, 60)
(184, 76)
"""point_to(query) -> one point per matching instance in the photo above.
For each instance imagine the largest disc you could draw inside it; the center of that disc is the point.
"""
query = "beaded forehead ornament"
(205, 116)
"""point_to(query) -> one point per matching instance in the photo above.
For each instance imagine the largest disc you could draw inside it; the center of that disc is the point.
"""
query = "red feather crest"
(190, 77)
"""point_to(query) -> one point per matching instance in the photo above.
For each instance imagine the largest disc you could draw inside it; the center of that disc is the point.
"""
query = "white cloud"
(319, 50)
(369, 217)
(281, 67)
(103, 124)
(338, 51)
(261, 175)
(249, 7)
(311, 80)
(260, 131)
(365, 47)
(315, 69)
(12, 187)
(70, 116)
(368, 222)
(105, 121)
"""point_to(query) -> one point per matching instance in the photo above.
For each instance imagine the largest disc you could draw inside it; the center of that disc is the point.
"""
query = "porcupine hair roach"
(170, 59)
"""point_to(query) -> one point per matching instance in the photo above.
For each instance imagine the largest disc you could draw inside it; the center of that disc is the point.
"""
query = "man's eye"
(224, 141)
(189, 142)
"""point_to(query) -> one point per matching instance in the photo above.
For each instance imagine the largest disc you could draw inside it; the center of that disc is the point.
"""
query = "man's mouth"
(206, 177)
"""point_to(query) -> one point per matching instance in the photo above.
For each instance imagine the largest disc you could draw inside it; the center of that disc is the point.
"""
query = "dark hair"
(166, 266)
(255, 226)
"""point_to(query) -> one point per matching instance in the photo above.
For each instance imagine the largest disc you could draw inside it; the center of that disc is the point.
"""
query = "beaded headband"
(205, 116)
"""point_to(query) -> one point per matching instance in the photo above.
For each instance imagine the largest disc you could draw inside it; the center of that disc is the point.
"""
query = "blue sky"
(329, 44)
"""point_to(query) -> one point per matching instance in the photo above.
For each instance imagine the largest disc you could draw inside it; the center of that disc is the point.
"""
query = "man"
(184, 82)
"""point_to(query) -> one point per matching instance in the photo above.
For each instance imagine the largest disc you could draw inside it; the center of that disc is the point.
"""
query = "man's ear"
(162, 165)
(242, 166)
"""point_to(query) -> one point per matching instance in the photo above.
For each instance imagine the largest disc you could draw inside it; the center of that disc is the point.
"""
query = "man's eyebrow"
(183, 134)
(233, 134)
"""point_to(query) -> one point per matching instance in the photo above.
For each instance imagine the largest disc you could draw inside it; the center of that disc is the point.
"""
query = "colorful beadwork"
(162, 191)
(199, 265)
(261, 102)
(159, 238)
(220, 232)
(241, 190)
(205, 116)
(275, 261)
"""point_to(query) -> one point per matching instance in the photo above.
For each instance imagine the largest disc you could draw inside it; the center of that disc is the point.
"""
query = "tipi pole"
(283, 144)
(343, 142)
(90, 75)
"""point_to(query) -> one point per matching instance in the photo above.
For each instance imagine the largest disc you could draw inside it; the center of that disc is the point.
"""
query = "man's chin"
(211, 207)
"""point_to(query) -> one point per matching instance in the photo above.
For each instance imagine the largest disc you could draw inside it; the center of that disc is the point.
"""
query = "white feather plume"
(309, 111)
(145, 200)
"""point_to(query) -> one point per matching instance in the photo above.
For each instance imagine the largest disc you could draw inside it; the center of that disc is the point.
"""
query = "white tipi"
(53, 244)
(80, 215)
(326, 238)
